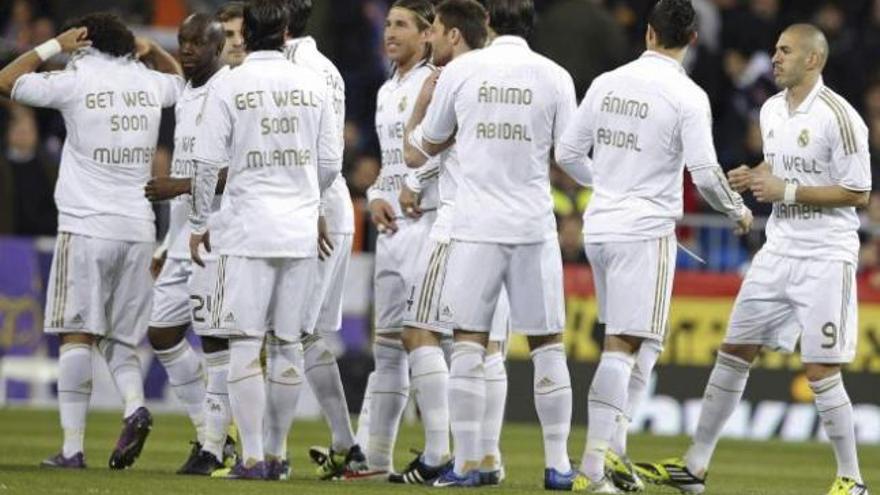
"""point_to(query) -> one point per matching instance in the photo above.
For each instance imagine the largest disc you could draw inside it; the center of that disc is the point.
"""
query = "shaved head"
(812, 39)
(205, 26)
(800, 56)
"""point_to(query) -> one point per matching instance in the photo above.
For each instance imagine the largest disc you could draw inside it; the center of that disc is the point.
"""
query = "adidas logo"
(446, 312)
(76, 320)
(213, 406)
(230, 318)
(327, 355)
(545, 382)
(290, 373)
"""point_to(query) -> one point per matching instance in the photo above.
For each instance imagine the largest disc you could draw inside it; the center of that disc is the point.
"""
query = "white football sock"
(836, 413)
(467, 402)
(284, 379)
(247, 395)
(322, 372)
(186, 377)
(430, 382)
(218, 414)
(363, 425)
(552, 390)
(493, 419)
(723, 393)
(74, 391)
(606, 401)
(125, 368)
(646, 358)
(390, 392)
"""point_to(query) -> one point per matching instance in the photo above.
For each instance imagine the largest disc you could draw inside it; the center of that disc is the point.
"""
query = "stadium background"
(731, 61)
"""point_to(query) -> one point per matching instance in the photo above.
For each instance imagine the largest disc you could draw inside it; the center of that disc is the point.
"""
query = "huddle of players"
(472, 221)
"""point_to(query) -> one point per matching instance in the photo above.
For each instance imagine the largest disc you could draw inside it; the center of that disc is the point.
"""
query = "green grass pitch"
(27, 436)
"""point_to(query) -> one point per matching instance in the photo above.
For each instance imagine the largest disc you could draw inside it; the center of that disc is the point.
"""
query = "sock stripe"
(200, 378)
(548, 392)
(730, 390)
(237, 380)
(607, 404)
(845, 404)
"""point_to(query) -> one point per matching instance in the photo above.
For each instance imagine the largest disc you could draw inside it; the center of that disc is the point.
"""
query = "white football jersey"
(187, 115)
(394, 105)
(112, 108)
(644, 121)
(507, 106)
(273, 123)
(338, 211)
(823, 143)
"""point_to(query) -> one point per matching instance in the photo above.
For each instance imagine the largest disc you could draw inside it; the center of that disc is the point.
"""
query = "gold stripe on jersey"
(844, 123)
(56, 287)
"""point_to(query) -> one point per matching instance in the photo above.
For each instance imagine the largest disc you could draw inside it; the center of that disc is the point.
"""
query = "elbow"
(412, 158)
(862, 199)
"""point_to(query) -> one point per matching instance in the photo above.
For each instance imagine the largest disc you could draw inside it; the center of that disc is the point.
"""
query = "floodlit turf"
(26, 437)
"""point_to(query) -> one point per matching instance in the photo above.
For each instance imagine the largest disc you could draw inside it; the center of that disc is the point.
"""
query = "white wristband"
(48, 49)
(790, 194)
(412, 182)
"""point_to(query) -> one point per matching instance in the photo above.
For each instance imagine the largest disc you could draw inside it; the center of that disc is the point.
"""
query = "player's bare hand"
(162, 188)
(157, 263)
(409, 202)
(740, 178)
(325, 244)
(73, 39)
(767, 188)
(142, 46)
(196, 240)
(382, 215)
(744, 224)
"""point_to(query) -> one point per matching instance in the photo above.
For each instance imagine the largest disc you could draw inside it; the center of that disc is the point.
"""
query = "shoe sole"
(125, 457)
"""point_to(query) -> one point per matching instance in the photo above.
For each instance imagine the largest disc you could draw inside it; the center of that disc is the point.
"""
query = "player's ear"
(694, 38)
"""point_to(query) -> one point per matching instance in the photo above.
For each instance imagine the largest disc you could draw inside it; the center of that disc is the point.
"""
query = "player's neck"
(676, 54)
(199, 79)
(404, 67)
(798, 93)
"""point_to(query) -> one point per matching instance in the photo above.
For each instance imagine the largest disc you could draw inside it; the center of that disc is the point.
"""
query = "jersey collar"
(509, 40)
(666, 59)
(264, 55)
(808, 101)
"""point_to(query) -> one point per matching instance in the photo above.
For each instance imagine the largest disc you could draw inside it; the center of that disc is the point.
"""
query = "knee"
(816, 372)
(165, 338)
(214, 344)
(77, 338)
(538, 341)
(746, 352)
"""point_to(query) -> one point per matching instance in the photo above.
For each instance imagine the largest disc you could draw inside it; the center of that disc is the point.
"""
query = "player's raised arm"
(149, 52)
(66, 42)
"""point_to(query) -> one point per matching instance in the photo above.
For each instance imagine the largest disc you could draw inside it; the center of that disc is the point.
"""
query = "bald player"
(180, 282)
(801, 285)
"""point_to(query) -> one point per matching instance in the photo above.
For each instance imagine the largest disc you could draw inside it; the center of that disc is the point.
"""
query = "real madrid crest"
(804, 138)
(402, 105)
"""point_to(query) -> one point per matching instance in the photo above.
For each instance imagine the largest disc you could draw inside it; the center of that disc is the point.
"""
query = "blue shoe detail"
(554, 480)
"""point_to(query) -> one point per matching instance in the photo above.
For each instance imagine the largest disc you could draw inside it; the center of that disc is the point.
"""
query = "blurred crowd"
(731, 61)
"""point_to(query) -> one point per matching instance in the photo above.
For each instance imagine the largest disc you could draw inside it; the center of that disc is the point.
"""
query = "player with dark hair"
(335, 232)
(230, 15)
(99, 285)
(460, 26)
(273, 124)
(506, 106)
(402, 235)
(661, 121)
